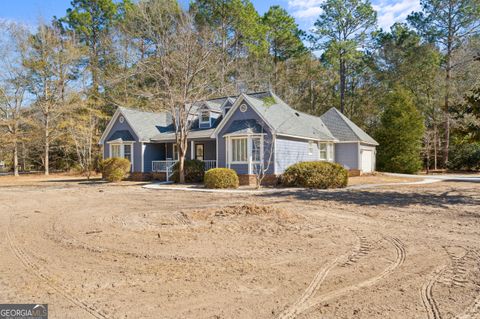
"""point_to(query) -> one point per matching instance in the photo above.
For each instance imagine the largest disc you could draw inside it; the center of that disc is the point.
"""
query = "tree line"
(414, 87)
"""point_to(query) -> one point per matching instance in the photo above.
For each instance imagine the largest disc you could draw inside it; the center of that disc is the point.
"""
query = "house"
(246, 133)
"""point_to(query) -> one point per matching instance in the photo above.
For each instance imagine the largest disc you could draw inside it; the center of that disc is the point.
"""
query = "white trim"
(200, 117)
(143, 146)
(249, 161)
(306, 138)
(354, 142)
(122, 151)
(112, 122)
(232, 111)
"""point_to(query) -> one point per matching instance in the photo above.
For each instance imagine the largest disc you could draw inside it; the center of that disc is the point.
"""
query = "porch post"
(249, 154)
(192, 150)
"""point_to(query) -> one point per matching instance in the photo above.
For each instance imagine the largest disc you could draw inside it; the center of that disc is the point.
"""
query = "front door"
(199, 152)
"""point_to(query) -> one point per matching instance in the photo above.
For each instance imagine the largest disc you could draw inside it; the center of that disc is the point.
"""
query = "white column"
(192, 150)
(249, 154)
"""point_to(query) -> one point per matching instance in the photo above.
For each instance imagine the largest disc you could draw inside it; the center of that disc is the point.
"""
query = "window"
(227, 109)
(331, 152)
(243, 108)
(175, 152)
(127, 152)
(199, 152)
(239, 150)
(310, 148)
(205, 117)
(323, 151)
(123, 150)
(115, 150)
(256, 149)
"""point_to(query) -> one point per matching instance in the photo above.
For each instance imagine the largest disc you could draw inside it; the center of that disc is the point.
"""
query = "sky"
(305, 11)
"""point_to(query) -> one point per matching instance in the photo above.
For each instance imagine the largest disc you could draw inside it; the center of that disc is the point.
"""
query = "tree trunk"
(342, 84)
(435, 141)
(446, 113)
(181, 168)
(15, 158)
(47, 144)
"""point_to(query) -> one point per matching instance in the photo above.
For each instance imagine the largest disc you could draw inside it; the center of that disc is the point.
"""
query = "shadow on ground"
(394, 198)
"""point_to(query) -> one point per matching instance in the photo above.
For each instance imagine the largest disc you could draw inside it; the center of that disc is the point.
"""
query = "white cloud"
(312, 12)
(389, 11)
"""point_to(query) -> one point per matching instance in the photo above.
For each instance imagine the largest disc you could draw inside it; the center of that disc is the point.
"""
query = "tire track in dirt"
(36, 270)
(427, 297)
(473, 311)
(312, 302)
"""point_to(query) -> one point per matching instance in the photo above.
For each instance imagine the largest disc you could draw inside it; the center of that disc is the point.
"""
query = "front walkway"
(249, 190)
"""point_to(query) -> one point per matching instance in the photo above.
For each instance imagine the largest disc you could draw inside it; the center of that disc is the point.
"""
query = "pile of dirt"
(246, 210)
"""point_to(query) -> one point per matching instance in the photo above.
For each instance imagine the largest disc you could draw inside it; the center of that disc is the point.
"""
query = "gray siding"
(243, 168)
(290, 151)
(346, 154)
(137, 146)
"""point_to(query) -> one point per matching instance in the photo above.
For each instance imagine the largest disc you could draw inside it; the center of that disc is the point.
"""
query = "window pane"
(256, 146)
(115, 151)
(127, 152)
(239, 150)
(205, 116)
(323, 151)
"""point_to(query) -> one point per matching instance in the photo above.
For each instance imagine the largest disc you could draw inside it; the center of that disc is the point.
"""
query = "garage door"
(367, 161)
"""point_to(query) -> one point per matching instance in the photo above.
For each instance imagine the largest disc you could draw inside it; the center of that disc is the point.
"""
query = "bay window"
(239, 150)
(115, 150)
(256, 149)
(122, 150)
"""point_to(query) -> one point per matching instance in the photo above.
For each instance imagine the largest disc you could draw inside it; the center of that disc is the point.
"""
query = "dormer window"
(205, 118)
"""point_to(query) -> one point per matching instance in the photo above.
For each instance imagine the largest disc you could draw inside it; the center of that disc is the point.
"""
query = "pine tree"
(400, 134)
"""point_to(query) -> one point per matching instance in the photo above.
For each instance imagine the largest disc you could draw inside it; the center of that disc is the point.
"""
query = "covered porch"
(161, 157)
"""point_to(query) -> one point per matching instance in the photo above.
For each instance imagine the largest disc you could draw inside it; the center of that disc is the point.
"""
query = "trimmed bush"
(194, 171)
(221, 178)
(315, 175)
(114, 169)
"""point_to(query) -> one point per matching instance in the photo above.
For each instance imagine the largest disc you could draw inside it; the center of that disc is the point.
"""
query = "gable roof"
(344, 129)
(146, 124)
(287, 121)
(279, 116)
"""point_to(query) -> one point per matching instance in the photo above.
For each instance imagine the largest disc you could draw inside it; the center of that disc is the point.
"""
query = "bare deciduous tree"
(13, 86)
(179, 67)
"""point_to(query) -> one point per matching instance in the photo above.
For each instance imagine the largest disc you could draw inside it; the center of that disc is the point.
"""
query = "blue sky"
(305, 11)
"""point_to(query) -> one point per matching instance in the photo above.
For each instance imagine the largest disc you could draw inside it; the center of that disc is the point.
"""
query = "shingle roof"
(146, 124)
(286, 120)
(281, 117)
(344, 129)
(122, 135)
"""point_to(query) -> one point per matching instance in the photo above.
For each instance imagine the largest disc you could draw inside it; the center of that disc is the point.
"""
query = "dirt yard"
(90, 249)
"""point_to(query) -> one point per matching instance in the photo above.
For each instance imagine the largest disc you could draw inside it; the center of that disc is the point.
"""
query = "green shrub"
(315, 175)
(464, 157)
(194, 171)
(114, 169)
(221, 178)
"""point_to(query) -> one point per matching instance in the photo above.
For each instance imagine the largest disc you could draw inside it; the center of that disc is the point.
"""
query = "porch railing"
(167, 166)
(164, 167)
(209, 164)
